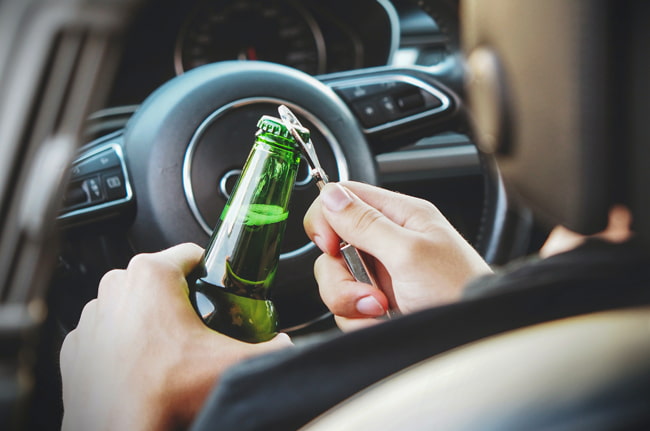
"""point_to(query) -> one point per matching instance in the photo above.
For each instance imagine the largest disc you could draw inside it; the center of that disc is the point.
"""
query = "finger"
(360, 224)
(319, 230)
(110, 283)
(166, 268)
(278, 342)
(345, 296)
(68, 352)
(345, 324)
(184, 256)
(227, 347)
(406, 211)
(88, 314)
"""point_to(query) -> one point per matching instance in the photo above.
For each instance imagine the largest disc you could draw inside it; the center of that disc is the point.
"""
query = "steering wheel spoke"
(395, 106)
(99, 186)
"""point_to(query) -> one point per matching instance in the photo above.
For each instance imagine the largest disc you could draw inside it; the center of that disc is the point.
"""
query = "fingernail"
(318, 240)
(335, 197)
(369, 306)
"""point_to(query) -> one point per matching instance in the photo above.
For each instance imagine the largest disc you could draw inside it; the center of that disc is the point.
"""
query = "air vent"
(53, 56)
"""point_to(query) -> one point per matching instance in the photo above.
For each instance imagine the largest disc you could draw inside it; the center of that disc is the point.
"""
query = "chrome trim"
(339, 157)
(298, 252)
(223, 182)
(325, 315)
(127, 181)
(308, 177)
(113, 112)
(317, 33)
(430, 160)
(382, 79)
(395, 29)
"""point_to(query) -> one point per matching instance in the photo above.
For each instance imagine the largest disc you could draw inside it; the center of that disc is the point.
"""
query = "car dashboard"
(172, 37)
(326, 40)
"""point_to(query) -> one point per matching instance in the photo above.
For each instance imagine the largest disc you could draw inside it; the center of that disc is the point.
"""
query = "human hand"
(140, 357)
(420, 260)
(618, 230)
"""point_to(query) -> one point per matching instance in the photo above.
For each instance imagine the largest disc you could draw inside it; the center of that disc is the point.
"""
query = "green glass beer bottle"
(230, 289)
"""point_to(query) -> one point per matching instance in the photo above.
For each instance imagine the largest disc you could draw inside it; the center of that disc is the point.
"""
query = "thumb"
(358, 223)
(279, 342)
(230, 350)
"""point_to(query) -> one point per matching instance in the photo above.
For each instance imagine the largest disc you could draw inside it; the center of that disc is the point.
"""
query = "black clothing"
(284, 391)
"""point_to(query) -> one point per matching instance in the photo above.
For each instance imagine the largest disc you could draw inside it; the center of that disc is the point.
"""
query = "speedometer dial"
(279, 31)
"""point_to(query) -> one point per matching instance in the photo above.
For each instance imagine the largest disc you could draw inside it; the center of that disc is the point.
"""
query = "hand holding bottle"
(140, 357)
(420, 259)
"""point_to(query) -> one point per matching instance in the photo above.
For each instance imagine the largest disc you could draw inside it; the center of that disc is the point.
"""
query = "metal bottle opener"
(353, 257)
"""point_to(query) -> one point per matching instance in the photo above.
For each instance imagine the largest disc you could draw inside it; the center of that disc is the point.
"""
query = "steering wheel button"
(75, 195)
(388, 104)
(409, 102)
(358, 92)
(93, 189)
(369, 113)
(113, 182)
(114, 185)
(98, 162)
(431, 101)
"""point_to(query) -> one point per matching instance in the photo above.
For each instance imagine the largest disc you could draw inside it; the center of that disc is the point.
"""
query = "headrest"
(556, 92)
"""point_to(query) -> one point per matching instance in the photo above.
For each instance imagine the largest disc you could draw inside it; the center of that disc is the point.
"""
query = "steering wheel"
(175, 163)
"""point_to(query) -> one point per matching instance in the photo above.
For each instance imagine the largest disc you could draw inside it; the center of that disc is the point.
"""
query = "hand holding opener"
(352, 256)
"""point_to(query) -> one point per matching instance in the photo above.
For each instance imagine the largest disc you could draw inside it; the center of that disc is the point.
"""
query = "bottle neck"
(278, 142)
(243, 253)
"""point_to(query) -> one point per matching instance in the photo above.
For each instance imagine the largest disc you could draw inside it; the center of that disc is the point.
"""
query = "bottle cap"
(275, 126)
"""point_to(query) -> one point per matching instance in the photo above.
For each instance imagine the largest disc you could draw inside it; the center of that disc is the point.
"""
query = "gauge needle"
(249, 53)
